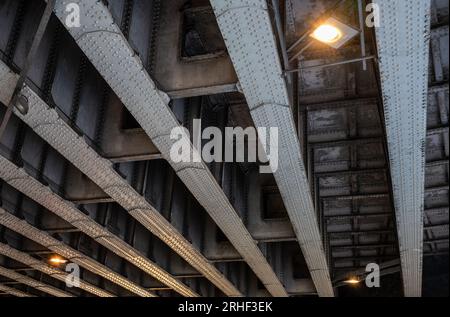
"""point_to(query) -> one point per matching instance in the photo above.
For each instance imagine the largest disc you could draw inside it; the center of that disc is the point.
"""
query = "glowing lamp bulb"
(327, 33)
(57, 260)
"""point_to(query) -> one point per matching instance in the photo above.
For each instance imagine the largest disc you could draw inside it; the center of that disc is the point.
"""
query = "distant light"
(352, 281)
(333, 32)
(57, 260)
(327, 33)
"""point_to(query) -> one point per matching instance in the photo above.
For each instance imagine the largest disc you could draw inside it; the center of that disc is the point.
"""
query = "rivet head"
(22, 104)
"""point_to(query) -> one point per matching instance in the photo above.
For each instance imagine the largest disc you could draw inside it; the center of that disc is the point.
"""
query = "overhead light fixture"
(57, 260)
(352, 280)
(333, 33)
(327, 33)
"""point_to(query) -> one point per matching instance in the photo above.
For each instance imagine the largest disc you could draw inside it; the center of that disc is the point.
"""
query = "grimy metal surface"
(247, 30)
(24, 279)
(403, 48)
(108, 50)
(25, 183)
(46, 122)
(40, 266)
(8, 80)
(13, 291)
(28, 185)
(22, 227)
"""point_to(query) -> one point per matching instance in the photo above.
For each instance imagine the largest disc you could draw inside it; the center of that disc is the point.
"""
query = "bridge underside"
(86, 174)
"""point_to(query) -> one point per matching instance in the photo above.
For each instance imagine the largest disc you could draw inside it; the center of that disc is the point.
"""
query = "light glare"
(327, 33)
(352, 281)
(57, 260)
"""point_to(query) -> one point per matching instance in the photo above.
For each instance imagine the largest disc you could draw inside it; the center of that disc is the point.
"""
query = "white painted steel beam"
(22, 227)
(13, 275)
(13, 291)
(8, 81)
(46, 122)
(247, 30)
(108, 50)
(19, 179)
(40, 266)
(403, 51)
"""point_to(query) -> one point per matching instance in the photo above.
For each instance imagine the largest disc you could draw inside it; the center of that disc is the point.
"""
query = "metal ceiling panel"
(403, 49)
(108, 50)
(247, 30)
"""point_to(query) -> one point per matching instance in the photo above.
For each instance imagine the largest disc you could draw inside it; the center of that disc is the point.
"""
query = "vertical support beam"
(247, 30)
(362, 40)
(403, 48)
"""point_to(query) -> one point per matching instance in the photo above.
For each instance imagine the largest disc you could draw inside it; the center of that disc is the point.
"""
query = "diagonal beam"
(403, 50)
(13, 291)
(254, 53)
(60, 275)
(28, 185)
(46, 122)
(108, 50)
(11, 274)
(22, 227)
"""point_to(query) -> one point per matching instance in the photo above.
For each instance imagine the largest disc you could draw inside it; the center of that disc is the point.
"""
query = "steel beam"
(366, 232)
(40, 266)
(359, 216)
(362, 246)
(8, 81)
(101, 40)
(13, 291)
(364, 258)
(254, 53)
(11, 274)
(355, 197)
(403, 49)
(101, 170)
(22, 227)
(19, 179)
(348, 142)
(46, 122)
